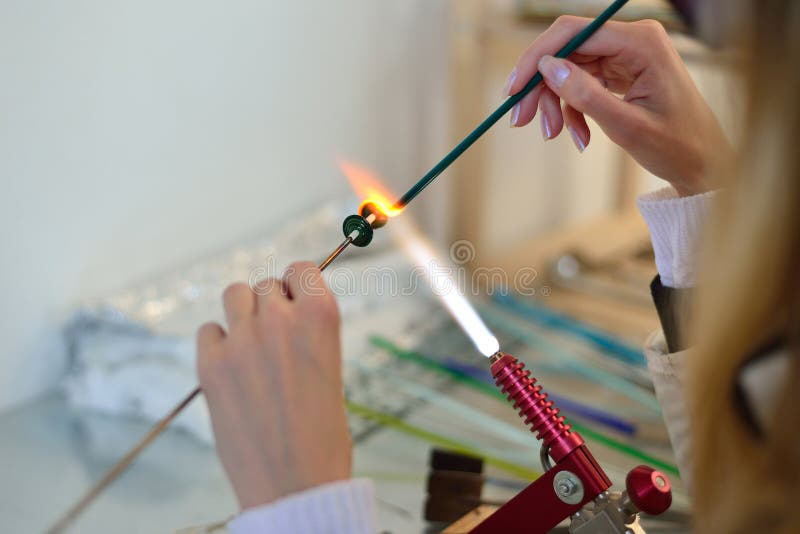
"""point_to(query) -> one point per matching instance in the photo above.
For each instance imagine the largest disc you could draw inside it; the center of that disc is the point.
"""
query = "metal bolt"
(568, 487)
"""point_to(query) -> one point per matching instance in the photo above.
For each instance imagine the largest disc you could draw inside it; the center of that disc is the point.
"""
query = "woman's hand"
(273, 384)
(662, 119)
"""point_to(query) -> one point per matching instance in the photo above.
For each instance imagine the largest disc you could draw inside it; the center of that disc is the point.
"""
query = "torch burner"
(575, 486)
(531, 401)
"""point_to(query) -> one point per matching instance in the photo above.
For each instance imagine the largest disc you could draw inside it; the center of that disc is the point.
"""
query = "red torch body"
(539, 413)
(573, 480)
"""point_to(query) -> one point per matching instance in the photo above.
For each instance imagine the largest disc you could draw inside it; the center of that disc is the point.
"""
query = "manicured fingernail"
(577, 139)
(514, 115)
(547, 133)
(554, 69)
(510, 82)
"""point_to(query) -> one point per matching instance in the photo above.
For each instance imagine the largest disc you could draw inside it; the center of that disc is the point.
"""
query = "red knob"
(648, 490)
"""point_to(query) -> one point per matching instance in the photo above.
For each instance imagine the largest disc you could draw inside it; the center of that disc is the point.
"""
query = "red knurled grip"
(521, 389)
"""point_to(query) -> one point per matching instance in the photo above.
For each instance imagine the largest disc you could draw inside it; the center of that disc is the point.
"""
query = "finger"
(239, 302)
(577, 127)
(526, 109)
(607, 70)
(586, 62)
(587, 95)
(304, 282)
(608, 40)
(609, 76)
(270, 291)
(602, 80)
(551, 120)
(209, 334)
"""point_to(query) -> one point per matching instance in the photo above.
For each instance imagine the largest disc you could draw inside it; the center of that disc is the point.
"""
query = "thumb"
(586, 94)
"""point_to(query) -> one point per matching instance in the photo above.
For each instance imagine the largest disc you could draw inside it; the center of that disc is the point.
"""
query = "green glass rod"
(509, 103)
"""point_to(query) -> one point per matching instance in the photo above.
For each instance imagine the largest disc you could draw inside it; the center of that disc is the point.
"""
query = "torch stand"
(573, 484)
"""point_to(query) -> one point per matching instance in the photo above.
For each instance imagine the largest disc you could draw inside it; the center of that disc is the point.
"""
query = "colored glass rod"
(504, 108)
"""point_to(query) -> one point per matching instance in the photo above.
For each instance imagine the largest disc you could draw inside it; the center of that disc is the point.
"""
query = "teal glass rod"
(509, 103)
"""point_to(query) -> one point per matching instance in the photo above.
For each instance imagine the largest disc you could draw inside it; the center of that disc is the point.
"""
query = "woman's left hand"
(273, 385)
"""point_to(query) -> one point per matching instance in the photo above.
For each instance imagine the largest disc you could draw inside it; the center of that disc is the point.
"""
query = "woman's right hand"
(662, 119)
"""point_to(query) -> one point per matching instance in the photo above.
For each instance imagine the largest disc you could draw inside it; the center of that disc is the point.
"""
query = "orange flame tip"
(366, 185)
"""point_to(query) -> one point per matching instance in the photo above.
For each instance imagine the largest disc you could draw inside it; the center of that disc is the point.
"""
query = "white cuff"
(676, 228)
(344, 507)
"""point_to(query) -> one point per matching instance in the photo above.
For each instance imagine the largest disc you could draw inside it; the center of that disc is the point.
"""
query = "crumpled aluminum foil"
(132, 353)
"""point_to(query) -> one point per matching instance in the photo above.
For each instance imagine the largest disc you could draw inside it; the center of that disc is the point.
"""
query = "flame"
(367, 186)
(440, 275)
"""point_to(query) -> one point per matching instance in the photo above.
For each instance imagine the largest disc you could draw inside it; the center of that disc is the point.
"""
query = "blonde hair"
(750, 293)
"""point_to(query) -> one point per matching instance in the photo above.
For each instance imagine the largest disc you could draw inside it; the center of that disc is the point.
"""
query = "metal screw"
(568, 487)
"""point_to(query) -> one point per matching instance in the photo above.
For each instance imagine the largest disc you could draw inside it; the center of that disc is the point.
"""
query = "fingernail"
(554, 69)
(510, 82)
(514, 115)
(547, 133)
(577, 139)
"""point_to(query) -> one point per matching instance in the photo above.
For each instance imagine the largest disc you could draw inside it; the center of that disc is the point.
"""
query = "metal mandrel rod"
(335, 254)
(122, 465)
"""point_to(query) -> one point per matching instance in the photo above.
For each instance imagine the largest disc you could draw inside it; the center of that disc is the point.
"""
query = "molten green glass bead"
(357, 222)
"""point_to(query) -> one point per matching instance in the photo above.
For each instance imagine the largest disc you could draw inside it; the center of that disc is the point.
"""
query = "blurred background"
(153, 152)
(139, 135)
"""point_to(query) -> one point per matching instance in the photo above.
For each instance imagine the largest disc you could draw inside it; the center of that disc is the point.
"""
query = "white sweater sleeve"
(676, 229)
(344, 507)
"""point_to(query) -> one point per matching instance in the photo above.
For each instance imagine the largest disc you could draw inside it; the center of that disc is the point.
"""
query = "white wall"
(137, 135)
